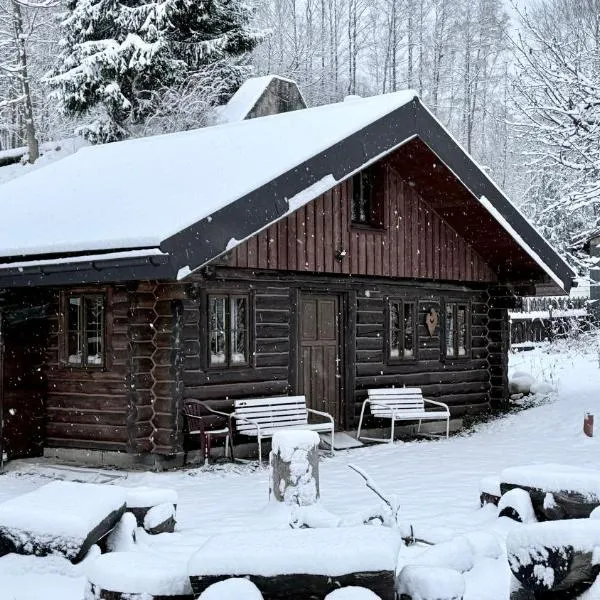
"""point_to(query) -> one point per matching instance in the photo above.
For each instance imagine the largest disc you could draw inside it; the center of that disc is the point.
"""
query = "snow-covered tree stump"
(126, 575)
(154, 508)
(294, 465)
(429, 583)
(61, 517)
(555, 558)
(556, 491)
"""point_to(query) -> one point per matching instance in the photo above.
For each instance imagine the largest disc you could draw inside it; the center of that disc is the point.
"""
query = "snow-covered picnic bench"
(297, 564)
(262, 417)
(401, 404)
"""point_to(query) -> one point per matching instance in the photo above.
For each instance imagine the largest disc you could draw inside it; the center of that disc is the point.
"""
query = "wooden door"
(320, 365)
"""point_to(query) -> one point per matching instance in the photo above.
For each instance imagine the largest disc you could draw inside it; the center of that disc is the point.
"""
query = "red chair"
(197, 414)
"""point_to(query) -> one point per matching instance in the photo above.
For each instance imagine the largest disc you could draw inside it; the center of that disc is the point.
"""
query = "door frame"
(346, 344)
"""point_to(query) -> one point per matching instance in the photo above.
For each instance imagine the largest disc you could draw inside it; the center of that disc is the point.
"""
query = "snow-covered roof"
(196, 194)
(137, 193)
(244, 100)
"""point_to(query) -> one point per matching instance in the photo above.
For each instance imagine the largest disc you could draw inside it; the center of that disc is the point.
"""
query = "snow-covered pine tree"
(119, 59)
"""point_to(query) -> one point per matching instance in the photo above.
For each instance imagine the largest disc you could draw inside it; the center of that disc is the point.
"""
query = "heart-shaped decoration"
(431, 320)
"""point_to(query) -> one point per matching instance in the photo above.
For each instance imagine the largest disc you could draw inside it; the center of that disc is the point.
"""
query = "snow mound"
(484, 544)
(157, 515)
(490, 485)
(430, 583)
(555, 478)
(520, 501)
(352, 592)
(285, 443)
(231, 589)
(143, 497)
(520, 382)
(456, 554)
(138, 573)
(122, 537)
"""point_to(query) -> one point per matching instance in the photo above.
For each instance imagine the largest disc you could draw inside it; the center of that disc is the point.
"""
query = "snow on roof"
(244, 100)
(137, 193)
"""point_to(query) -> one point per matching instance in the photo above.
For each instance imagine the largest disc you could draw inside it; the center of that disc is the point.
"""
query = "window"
(85, 328)
(228, 330)
(402, 331)
(366, 205)
(456, 327)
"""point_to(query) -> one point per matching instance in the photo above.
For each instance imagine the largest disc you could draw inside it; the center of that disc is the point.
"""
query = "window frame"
(456, 304)
(375, 219)
(229, 294)
(63, 347)
(401, 359)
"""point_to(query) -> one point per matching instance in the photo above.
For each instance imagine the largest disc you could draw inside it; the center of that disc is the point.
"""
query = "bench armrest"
(436, 403)
(237, 417)
(320, 413)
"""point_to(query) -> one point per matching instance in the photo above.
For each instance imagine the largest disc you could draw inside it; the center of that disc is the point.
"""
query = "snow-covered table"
(62, 517)
(301, 564)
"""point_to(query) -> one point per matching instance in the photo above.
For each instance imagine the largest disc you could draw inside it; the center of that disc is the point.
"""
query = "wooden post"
(294, 463)
(588, 424)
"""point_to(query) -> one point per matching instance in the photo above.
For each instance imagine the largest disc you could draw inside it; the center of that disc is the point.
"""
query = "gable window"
(366, 203)
(456, 329)
(228, 324)
(85, 328)
(402, 333)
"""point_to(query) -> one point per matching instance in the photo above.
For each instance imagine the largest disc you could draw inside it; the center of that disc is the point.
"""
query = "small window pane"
(449, 329)
(395, 331)
(239, 320)
(461, 328)
(218, 349)
(409, 333)
(75, 331)
(94, 311)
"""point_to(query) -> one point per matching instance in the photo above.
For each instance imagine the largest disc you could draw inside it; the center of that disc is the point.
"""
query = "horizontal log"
(86, 444)
(99, 403)
(82, 417)
(238, 390)
(95, 432)
(242, 375)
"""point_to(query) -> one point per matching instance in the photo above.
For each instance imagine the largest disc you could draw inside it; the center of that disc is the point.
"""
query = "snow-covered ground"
(437, 483)
(49, 152)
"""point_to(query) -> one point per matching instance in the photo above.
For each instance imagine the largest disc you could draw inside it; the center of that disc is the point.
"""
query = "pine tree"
(119, 58)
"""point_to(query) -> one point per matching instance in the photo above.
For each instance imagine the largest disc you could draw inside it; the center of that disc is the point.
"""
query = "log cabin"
(321, 252)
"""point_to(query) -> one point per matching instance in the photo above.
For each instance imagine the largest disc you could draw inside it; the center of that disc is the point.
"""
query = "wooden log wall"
(464, 383)
(269, 371)
(89, 408)
(414, 242)
(132, 405)
(500, 301)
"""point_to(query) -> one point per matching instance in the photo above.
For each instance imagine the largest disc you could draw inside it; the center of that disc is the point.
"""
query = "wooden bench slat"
(272, 411)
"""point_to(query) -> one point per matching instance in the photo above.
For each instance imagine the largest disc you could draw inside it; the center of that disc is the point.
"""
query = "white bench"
(401, 404)
(262, 417)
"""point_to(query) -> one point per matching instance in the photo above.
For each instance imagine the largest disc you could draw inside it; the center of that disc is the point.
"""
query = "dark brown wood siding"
(415, 241)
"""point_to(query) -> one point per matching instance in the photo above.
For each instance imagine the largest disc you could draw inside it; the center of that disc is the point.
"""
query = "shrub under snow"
(236, 588)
